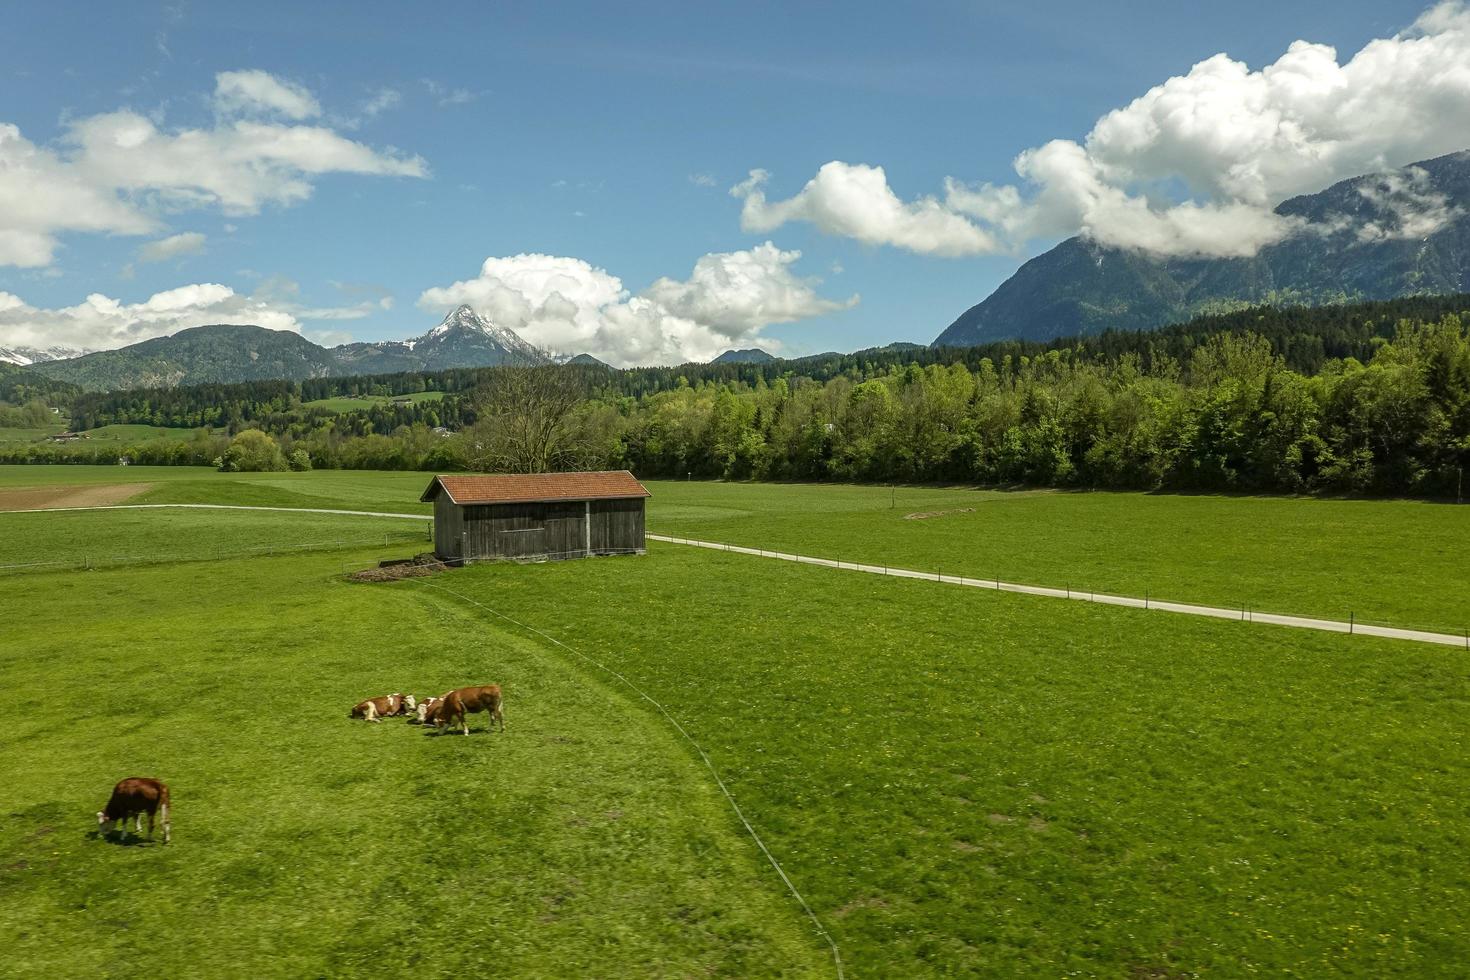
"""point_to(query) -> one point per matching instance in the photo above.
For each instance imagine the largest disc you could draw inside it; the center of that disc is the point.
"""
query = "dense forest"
(1365, 398)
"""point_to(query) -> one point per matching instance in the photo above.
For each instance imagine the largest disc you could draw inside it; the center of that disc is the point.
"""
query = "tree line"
(1225, 408)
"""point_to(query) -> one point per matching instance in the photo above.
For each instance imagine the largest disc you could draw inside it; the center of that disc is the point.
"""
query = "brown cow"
(426, 706)
(134, 797)
(376, 709)
(454, 704)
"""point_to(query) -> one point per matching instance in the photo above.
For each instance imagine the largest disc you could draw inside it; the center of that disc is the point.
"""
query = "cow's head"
(102, 818)
(410, 704)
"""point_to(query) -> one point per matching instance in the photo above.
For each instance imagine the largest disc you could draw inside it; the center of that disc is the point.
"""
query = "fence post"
(1145, 598)
(1352, 625)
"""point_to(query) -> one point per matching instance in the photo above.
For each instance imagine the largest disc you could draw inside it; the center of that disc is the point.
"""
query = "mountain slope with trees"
(1379, 236)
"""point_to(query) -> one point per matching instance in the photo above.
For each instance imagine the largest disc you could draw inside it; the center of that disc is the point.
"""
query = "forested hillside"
(1364, 398)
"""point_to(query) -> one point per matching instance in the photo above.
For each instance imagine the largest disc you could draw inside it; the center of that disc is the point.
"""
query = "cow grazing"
(376, 709)
(134, 797)
(453, 706)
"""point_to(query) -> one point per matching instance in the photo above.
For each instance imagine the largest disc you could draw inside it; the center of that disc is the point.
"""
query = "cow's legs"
(166, 825)
(150, 824)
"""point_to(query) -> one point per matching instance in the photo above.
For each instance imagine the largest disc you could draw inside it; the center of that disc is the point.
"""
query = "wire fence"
(1443, 634)
(95, 561)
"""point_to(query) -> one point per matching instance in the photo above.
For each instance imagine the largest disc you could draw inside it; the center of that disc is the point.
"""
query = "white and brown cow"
(376, 709)
(454, 705)
(132, 798)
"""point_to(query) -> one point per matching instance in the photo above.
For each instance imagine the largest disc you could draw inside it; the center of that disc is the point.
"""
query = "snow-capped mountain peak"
(463, 322)
(38, 355)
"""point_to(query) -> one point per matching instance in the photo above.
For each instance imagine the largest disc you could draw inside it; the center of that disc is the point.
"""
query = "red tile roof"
(537, 487)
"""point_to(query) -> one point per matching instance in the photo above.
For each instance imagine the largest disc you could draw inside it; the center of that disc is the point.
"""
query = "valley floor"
(958, 781)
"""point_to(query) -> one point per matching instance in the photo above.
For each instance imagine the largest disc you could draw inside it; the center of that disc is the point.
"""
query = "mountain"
(30, 355)
(587, 360)
(752, 356)
(229, 353)
(1401, 233)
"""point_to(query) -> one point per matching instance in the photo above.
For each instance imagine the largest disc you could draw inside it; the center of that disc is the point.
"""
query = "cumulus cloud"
(115, 172)
(101, 322)
(172, 247)
(1237, 140)
(855, 201)
(569, 305)
(258, 92)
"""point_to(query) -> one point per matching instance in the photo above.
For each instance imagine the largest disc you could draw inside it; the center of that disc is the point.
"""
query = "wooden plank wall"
(553, 530)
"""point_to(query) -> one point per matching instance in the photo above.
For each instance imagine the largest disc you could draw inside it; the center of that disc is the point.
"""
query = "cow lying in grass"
(132, 798)
(376, 709)
(452, 707)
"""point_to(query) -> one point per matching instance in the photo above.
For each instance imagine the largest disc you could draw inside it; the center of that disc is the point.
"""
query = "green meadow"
(959, 781)
(359, 403)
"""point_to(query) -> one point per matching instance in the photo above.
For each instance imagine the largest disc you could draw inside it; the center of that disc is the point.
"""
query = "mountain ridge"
(225, 353)
(1377, 236)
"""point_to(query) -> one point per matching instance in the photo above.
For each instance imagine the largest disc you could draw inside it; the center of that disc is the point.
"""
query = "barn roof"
(536, 487)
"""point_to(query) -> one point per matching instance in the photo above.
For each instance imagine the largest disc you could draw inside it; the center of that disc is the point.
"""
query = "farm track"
(1244, 615)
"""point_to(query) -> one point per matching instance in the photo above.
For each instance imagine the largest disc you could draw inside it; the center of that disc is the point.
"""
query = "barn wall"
(617, 526)
(448, 523)
(550, 530)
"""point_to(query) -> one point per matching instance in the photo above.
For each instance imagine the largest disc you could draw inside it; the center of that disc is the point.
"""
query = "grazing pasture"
(959, 781)
(361, 403)
(1398, 562)
(583, 841)
(1401, 562)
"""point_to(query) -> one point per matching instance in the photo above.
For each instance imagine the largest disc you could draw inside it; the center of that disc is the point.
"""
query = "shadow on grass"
(123, 838)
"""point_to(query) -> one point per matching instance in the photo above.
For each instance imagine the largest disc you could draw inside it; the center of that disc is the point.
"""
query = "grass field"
(584, 841)
(1395, 561)
(139, 433)
(960, 782)
(364, 402)
(11, 435)
(1389, 561)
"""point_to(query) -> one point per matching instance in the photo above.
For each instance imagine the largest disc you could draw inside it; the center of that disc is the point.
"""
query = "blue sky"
(611, 134)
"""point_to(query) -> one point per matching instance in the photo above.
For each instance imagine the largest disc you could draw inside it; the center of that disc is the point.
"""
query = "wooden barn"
(537, 516)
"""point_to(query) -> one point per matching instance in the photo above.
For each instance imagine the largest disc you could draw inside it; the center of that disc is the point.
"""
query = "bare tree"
(527, 420)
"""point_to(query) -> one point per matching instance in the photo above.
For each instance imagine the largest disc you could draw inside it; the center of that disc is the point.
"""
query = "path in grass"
(584, 841)
(1399, 563)
(1214, 612)
(969, 782)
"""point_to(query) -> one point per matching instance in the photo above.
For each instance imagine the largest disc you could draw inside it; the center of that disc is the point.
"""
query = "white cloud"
(855, 201)
(256, 92)
(172, 247)
(112, 173)
(1237, 141)
(703, 180)
(102, 322)
(568, 305)
(1414, 208)
(447, 96)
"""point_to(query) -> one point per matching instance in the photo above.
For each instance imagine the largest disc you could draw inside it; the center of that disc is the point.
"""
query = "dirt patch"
(38, 498)
(1000, 818)
(419, 566)
(965, 847)
(924, 515)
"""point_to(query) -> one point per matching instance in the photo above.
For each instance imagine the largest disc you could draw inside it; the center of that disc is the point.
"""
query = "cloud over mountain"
(1239, 141)
(569, 305)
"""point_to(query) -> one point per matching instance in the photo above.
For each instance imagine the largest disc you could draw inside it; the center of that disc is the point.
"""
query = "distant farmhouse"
(537, 516)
